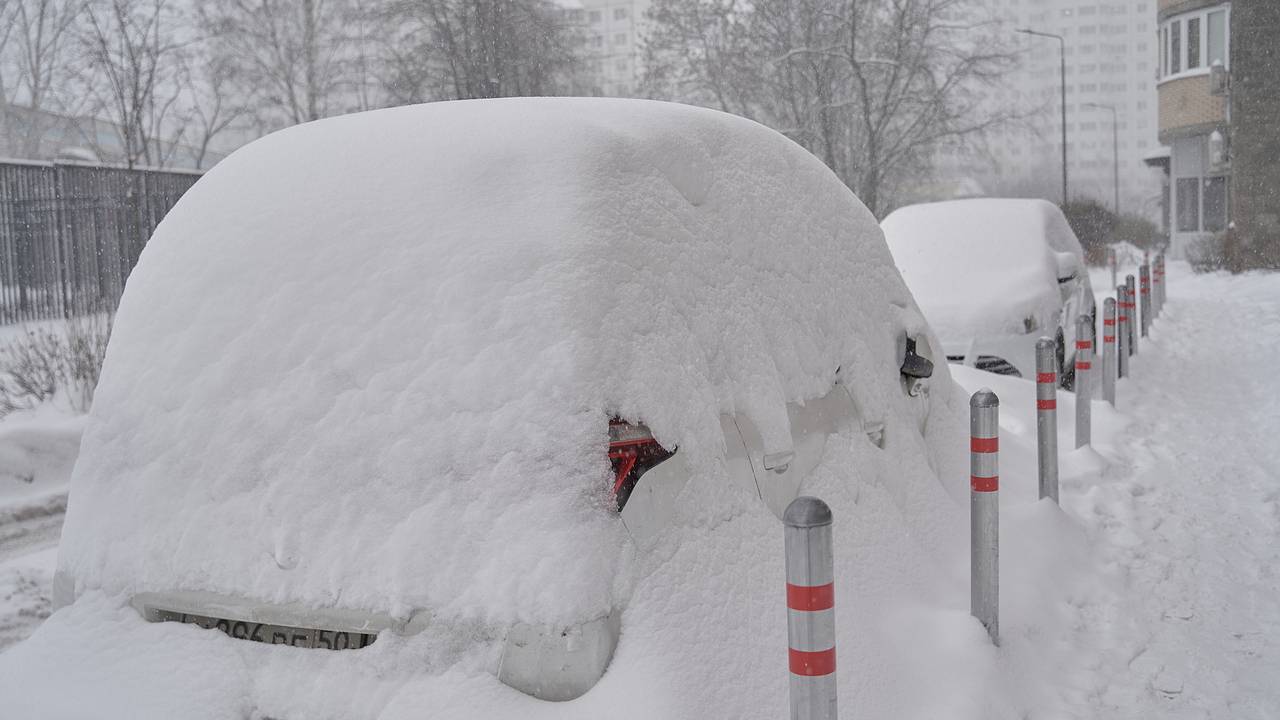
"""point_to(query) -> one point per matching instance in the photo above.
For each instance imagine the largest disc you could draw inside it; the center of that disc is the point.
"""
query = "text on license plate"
(273, 634)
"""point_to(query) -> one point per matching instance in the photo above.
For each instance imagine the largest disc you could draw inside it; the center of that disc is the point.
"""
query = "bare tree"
(459, 49)
(870, 86)
(213, 101)
(43, 39)
(294, 51)
(132, 58)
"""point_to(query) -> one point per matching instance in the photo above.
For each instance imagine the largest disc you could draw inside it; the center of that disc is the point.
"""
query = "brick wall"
(1187, 106)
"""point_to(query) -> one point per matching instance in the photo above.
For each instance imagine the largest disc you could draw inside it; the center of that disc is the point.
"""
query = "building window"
(594, 16)
(1218, 37)
(1215, 204)
(620, 39)
(1188, 192)
(1164, 54)
(620, 13)
(1193, 43)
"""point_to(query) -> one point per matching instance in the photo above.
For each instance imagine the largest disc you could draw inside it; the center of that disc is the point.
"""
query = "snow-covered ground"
(1153, 593)
(25, 583)
(1178, 612)
(1188, 513)
(37, 451)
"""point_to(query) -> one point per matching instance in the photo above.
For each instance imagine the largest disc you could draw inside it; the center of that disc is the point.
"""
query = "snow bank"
(368, 362)
(38, 449)
(982, 266)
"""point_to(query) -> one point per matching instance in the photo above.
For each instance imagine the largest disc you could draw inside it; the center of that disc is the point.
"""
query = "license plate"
(272, 634)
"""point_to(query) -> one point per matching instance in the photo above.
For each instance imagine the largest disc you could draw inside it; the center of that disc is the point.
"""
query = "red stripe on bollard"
(1108, 338)
(984, 484)
(984, 445)
(811, 598)
(1082, 365)
(1047, 404)
(813, 664)
(1083, 345)
(1051, 378)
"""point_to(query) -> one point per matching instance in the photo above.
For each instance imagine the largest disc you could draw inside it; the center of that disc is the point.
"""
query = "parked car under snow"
(431, 393)
(993, 276)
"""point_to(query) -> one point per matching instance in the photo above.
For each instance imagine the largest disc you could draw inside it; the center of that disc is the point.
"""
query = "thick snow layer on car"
(369, 362)
(981, 266)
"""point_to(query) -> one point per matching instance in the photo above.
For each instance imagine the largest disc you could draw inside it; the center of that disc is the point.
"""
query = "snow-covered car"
(993, 276)
(464, 397)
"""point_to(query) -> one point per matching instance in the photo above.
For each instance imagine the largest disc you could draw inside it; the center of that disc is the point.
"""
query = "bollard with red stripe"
(1160, 283)
(811, 614)
(984, 511)
(1047, 416)
(1155, 287)
(1109, 364)
(1122, 333)
(1144, 274)
(1131, 297)
(1084, 363)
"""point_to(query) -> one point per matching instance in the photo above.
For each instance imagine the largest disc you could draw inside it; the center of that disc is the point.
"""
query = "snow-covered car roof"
(369, 362)
(981, 266)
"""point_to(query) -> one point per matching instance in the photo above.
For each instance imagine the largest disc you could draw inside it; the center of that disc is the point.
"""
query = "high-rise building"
(1110, 78)
(613, 35)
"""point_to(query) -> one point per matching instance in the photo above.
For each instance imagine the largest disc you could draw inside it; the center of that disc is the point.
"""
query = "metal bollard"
(1144, 273)
(1122, 333)
(1109, 364)
(1131, 297)
(1155, 287)
(1084, 363)
(1111, 258)
(984, 511)
(1163, 283)
(811, 614)
(1047, 416)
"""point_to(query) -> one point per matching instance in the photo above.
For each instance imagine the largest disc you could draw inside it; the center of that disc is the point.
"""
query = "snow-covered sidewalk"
(1176, 612)
(1191, 515)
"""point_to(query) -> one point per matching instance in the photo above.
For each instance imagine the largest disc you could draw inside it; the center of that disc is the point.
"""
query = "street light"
(1063, 54)
(1115, 146)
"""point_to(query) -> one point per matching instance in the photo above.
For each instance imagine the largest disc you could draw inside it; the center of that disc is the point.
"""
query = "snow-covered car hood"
(369, 362)
(981, 267)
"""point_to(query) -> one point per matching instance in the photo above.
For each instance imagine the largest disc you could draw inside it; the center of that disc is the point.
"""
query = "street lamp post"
(1063, 56)
(1115, 147)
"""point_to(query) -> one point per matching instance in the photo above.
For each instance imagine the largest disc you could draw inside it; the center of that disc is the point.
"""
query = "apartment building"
(1220, 118)
(1194, 60)
(613, 31)
(1110, 78)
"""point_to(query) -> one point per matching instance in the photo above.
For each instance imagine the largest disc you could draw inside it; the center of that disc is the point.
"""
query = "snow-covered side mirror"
(1068, 267)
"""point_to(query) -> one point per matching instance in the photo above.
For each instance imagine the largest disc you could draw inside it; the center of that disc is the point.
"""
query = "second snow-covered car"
(440, 397)
(993, 276)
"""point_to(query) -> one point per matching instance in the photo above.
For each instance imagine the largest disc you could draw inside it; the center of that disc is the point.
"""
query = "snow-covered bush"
(44, 364)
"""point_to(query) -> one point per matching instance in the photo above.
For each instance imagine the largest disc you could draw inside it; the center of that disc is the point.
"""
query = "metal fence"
(70, 234)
